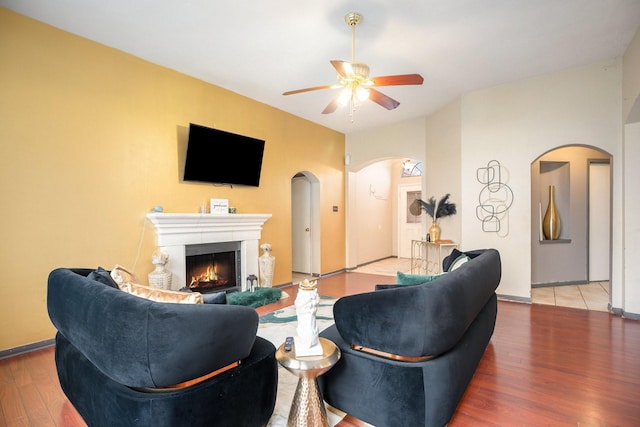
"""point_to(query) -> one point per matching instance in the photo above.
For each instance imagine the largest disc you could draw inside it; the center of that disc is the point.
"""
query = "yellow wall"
(89, 143)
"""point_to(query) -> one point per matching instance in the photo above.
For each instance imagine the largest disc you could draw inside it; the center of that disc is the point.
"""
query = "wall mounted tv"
(220, 157)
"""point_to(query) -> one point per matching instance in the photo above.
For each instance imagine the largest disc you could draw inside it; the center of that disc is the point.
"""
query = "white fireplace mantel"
(175, 231)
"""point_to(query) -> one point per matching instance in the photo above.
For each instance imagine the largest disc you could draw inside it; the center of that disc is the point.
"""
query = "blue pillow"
(415, 279)
(215, 298)
(103, 276)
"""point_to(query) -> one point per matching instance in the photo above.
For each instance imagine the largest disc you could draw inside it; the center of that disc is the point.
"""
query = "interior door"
(409, 225)
(301, 225)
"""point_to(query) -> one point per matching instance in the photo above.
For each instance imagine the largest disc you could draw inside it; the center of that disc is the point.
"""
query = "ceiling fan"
(354, 80)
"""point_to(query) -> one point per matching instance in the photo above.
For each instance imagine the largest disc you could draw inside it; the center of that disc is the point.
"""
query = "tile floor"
(386, 267)
(593, 296)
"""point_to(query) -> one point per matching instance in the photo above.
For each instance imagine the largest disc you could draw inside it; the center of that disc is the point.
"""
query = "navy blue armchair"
(409, 351)
(127, 361)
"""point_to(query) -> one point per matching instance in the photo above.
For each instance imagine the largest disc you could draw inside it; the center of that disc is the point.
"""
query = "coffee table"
(307, 408)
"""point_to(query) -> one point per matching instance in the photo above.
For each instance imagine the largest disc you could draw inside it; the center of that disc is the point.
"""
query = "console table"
(426, 257)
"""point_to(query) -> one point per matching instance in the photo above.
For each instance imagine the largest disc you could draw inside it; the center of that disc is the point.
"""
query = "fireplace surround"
(177, 231)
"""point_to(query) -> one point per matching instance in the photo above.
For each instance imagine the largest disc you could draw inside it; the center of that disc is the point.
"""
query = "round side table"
(307, 408)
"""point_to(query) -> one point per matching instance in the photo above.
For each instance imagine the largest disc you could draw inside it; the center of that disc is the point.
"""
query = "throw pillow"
(215, 298)
(103, 276)
(448, 260)
(127, 282)
(210, 297)
(415, 279)
(458, 262)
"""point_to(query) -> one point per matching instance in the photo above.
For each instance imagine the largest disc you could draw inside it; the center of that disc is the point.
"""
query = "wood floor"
(545, 366)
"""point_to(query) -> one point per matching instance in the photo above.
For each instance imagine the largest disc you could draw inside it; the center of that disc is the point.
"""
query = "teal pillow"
(415, 279)
(458, 262)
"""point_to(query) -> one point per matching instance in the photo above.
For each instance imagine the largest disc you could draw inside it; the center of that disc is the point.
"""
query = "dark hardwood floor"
(545, 366)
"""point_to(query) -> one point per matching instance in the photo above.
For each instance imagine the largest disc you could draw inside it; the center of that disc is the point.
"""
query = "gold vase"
(551, 221)
(434, 232)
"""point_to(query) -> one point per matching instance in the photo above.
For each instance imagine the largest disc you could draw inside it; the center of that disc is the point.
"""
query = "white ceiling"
(261, 49)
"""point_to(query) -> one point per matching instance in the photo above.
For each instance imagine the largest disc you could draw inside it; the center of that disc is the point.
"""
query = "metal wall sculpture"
(495, 199)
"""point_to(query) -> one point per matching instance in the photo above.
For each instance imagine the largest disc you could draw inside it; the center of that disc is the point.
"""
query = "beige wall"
(89, 143)
(442, 167)
(374, 204)
(631, 81)
(515, 124)
(631, 116)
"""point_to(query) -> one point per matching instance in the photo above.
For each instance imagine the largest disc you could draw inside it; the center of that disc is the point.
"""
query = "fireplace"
(213, 266)
(176, 232)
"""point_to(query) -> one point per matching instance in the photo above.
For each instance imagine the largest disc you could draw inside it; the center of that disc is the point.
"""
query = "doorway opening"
(305, 224)
(573, 267)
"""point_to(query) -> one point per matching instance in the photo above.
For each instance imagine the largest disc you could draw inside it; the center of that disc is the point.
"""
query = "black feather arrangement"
(440, 210)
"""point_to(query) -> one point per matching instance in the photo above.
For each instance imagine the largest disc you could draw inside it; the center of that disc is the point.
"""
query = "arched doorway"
(573, 269)
(305, 224)
(379, 193)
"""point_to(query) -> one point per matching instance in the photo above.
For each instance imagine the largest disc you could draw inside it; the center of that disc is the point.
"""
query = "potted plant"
(436, 211)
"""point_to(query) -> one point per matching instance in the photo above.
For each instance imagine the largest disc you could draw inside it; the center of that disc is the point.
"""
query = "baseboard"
(512, 298)
(333, 273)
(627, 315)
(375, 260)
(27, 348)
(314, 275)
(632, 316)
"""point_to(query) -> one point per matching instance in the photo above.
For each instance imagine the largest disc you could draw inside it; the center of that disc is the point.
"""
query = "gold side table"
(426, 257)
(307, 408)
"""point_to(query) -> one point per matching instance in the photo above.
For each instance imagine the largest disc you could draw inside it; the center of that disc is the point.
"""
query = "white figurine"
(306, 342)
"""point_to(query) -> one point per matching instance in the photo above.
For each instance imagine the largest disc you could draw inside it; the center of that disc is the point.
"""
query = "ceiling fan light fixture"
(362, 93)
(345, 96)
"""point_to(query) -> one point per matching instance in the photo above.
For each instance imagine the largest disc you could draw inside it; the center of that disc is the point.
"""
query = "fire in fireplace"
(213, 266)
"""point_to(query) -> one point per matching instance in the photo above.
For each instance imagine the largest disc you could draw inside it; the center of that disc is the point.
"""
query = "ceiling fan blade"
(382, 99)
(333, 105)
(401, 79)
(309, 89)
(340, 67)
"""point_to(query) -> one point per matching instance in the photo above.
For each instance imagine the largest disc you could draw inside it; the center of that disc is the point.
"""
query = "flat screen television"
(220, 157)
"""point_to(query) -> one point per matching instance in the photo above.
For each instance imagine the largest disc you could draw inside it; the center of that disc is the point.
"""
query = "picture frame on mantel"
(219, 207)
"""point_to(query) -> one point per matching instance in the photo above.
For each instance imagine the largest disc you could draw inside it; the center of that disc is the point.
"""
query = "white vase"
(160, 278)
(266, 263)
